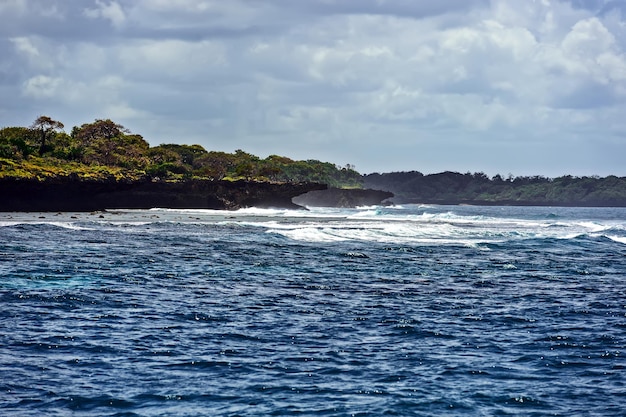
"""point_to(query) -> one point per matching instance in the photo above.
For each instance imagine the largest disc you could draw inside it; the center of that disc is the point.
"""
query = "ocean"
(375, 311)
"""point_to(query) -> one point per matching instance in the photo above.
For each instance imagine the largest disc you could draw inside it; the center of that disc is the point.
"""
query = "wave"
(410, 224)
(618, 239)
(61, 225)
(443, 228)
(391, 232)
(444, 235)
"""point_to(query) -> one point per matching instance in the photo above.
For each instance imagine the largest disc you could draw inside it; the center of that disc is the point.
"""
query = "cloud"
(497, 86)
(111, 11)
(15, 7)
(42, 86)
(25, 46)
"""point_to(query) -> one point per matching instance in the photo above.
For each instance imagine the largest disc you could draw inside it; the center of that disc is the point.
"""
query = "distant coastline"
(453, 188)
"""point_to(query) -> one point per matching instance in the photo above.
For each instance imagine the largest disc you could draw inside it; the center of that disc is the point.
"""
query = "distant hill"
(479, 189)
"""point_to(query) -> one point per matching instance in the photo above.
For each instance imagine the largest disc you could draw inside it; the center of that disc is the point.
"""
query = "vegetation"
(478, 188)
(106, 150)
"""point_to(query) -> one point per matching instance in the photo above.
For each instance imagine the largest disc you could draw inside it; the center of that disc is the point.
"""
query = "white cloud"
(25, 46)
(171, 60)
(13, 6)
(369, 82)
(111, 11)
(587, 38)
(189, 6)
(42, 86)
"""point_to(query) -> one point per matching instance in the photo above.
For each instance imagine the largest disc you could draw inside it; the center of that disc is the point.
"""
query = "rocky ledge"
(68, 194)
(339, 197)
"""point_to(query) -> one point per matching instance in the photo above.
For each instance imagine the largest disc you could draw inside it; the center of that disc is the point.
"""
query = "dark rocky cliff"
(338, 197)
(66, 194)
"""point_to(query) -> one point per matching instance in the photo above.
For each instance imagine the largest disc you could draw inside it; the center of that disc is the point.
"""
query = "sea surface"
(376, 311)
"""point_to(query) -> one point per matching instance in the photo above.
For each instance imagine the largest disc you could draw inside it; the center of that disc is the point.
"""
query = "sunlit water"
(407, 311)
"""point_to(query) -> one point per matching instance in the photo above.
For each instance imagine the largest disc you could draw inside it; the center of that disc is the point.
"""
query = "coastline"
(69, 195)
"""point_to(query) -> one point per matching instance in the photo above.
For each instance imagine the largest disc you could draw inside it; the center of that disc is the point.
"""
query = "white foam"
(63, 225)
(309, 234)
(365, 213)
(618, 239)
(9, 224)
(68, 225)
(409, 224)
(593, 227)
(427, 231)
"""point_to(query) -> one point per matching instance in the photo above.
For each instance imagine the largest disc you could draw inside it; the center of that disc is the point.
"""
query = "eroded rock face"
(78, 195)
(338, 197)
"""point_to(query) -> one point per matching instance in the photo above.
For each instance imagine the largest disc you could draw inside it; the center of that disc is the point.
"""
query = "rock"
(339, 197)
(71, 195)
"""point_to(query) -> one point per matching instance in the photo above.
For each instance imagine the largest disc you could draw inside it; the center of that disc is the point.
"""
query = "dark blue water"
(409, 311)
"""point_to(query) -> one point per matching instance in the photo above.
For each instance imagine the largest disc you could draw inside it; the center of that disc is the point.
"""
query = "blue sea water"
(406, 311)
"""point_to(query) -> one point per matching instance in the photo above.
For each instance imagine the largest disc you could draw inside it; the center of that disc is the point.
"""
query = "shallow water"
(409, 311)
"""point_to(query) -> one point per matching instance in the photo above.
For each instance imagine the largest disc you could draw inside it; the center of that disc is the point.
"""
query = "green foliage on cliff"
(105, 149)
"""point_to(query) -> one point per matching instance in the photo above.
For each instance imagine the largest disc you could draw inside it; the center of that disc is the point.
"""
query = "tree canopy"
(104, 145)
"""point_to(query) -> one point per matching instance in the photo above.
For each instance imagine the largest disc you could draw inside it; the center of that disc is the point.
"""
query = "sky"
(521, 87)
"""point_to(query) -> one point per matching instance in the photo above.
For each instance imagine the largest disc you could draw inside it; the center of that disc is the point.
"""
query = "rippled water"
(408, 311)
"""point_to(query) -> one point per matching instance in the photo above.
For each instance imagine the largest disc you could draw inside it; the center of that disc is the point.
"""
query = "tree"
(215, 164)
(17, 142)
(98, 130)
(65, 147)
(105, 142)
(188, 153)
(45, 125)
